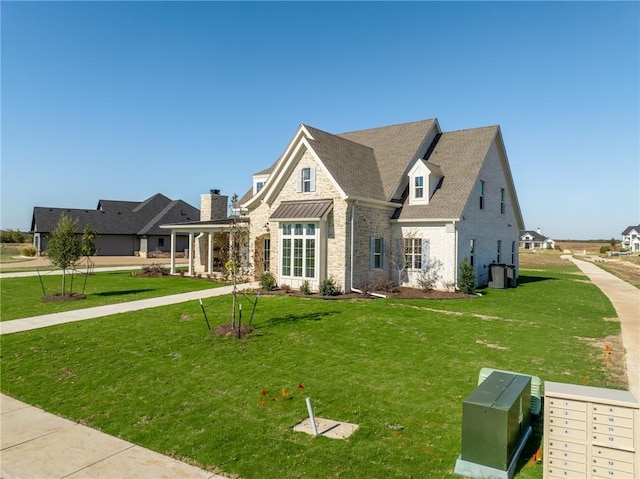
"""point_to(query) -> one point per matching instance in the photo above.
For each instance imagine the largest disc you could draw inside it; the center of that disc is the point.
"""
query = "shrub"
(604, 249)
(385, 285)
(328, 288)
(153, 270)
(467, 281)
(305, 288)
(286, 288)
(267, 281)
(27, 250)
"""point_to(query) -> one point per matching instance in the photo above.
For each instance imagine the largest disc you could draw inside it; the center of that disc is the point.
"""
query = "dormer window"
(258, 182)
(424, 179)
(419, 187)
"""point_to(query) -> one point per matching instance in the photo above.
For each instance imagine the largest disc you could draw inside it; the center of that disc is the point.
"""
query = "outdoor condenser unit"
(495, 426)
(536, 387)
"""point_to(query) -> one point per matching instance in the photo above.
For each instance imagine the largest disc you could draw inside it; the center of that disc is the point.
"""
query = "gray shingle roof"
(459, 154)
(374, 163)
(119, 217)
(629, 229)
(351, 164)
(394, 147)
(535, 236)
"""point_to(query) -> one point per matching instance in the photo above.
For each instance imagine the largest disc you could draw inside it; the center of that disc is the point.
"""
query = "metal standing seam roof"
(302, 210)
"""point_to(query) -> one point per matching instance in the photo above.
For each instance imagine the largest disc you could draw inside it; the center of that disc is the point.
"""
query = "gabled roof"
(535, 236)
(629, 229)
(366, 163)
(119, 217)
(459, 154)
(374, 164)
(394, 148)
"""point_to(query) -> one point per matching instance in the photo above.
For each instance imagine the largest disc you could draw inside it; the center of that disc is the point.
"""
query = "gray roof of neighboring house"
(119, 217)
(535, 236)
(459, 155)
(629, 229)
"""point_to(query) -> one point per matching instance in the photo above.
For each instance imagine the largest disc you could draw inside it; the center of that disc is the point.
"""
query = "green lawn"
(159, 379)
(22, 297)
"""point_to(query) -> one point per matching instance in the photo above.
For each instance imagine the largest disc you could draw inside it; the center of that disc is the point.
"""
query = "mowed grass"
(22, 297)
(159, 379)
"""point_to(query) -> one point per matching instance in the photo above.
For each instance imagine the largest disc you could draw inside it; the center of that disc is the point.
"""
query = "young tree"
(64, 249)
(88, 246)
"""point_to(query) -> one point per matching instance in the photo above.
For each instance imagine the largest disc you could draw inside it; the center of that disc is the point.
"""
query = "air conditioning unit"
(536, 387)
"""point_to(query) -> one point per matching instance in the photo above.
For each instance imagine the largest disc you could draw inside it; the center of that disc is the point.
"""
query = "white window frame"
(306, 180)
(416, 253)
(377, 250)
(418, 187)
(291, 234)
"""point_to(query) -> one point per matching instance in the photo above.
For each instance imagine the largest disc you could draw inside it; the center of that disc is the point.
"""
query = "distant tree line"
(13, 236)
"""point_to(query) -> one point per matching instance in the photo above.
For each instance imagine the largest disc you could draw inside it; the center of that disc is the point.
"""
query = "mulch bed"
(229, 331)
(401, 292)
(59, 297)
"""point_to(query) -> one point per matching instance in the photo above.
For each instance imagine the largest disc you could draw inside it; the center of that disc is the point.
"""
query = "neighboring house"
(530, 239)
(631, 238)
(400, 203)
(124, 228)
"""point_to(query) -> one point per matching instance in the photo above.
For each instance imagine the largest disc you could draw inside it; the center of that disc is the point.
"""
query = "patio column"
(190, 254)
(210, 255)
(173, 252)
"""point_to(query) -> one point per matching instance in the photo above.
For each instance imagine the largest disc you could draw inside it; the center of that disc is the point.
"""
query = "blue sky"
(122, 100)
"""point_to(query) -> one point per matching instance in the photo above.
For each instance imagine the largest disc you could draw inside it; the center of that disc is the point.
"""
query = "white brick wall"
(489, 225)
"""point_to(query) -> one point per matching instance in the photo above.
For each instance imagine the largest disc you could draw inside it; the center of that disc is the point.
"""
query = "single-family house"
(403, 203)
(530, 239)
(631, 238)
(124, 228)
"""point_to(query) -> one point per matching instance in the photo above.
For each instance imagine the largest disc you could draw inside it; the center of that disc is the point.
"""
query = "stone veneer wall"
(335, 265)
(369, 222)
(213, 206)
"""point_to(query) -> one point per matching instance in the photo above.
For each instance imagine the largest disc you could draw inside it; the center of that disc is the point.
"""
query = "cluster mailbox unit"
(495, 426)
(590, 432)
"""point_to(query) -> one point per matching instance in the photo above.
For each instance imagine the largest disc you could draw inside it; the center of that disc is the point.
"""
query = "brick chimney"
(213, 206)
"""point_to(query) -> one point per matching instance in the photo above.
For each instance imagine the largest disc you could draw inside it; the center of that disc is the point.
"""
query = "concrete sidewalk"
(45, 320)
(626, 301)
(39, 445)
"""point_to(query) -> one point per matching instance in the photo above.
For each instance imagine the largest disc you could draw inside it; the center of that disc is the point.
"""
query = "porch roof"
(211, 225)
(302, 210)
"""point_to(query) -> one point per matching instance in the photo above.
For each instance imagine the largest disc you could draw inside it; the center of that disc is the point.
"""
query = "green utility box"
(495, 420)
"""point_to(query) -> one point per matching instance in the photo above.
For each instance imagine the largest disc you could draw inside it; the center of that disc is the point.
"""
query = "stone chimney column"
(213, 206)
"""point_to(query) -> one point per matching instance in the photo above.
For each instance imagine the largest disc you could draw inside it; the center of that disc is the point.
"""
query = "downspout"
(353, 216)
(455, 255)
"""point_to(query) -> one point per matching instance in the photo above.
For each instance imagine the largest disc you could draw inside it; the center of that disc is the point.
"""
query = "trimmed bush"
(267, 281)
(27, 250)
(328, 288)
